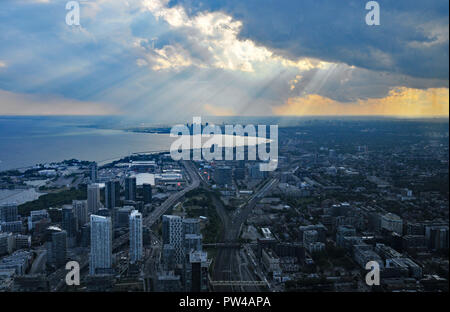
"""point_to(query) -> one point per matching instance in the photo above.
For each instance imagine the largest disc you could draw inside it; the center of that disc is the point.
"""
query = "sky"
(161, 60)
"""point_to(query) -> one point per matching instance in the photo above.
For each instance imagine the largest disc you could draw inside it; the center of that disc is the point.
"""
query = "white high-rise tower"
(101, 245)
(136, 244)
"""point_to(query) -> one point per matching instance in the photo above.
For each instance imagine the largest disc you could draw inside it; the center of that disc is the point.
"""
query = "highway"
(171, 201)
(228, 264)
(57, 278)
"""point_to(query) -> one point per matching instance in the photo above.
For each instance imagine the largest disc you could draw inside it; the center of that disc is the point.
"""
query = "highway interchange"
(231, 264)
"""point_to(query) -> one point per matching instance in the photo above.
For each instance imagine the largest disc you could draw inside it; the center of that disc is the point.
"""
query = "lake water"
(26, 141)
(29, 140)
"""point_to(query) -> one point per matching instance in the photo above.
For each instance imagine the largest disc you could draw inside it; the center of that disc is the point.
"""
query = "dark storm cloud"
(412, 38)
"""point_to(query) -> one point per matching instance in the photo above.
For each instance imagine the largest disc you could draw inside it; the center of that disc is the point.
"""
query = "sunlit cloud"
(214, 38)
(170, 57)
(401, 102)
(152, 58)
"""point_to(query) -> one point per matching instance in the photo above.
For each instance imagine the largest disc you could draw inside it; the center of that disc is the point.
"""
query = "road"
(172, 199)
(57, 278)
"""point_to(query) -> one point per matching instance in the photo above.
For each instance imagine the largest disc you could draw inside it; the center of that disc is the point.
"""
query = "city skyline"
(233, 153)
(353, 206)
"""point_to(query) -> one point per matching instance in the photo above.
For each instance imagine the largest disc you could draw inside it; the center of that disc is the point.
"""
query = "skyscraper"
(94, 172)
(147, 193)
(93, 195)
(121, 216)
(8, 213)
(136, 245)
(101, 245)
(80, 208)
(173, 235)
(196, 276)
(86, 235)
(48, 241)
(59, 248)
(69, 221)
(112, 194)
(192, 242)
(130, 188)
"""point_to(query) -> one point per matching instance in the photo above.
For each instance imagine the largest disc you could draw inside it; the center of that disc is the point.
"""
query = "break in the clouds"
(161, 60)
(412, 38)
